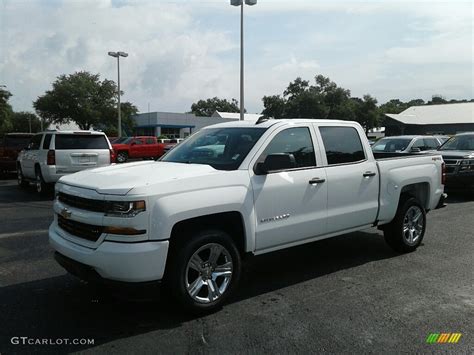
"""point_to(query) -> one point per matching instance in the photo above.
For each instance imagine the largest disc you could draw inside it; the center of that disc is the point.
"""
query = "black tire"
(41, 186)
(181, 274)
(122, 157)
(21, 179)
(405, 233)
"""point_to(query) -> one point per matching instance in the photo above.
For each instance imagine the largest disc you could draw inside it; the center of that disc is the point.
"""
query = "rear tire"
(41, 186)
(20, 178)
(405, 233)
(204, 271)
(122, 157)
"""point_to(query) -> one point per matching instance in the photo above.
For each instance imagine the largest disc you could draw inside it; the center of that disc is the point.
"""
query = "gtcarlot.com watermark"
(51, 341)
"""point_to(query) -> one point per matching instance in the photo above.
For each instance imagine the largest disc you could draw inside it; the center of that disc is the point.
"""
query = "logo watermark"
(51, 341)
(440, 338)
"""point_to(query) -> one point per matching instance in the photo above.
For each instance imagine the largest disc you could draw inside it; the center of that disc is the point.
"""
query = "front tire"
(405, 233)
(204, 271)
(21, 179)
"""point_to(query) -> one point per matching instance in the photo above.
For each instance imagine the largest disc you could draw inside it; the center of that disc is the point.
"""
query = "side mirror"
(415, 150)
(133, 143)
(275, 162)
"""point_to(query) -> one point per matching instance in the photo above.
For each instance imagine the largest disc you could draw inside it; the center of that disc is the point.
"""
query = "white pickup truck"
(235, 189)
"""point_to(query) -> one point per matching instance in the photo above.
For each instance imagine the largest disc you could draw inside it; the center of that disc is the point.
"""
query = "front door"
(290, 205)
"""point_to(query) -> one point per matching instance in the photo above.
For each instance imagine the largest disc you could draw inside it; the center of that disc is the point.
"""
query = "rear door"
(290, 205)
(352, 178)
(30, 156)
(137, 148)
(79, 151)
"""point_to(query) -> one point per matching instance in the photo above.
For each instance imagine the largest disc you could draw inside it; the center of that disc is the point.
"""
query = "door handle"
(314, 181)
(369, 174)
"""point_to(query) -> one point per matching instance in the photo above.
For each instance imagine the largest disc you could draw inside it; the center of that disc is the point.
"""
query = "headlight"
(124, 208)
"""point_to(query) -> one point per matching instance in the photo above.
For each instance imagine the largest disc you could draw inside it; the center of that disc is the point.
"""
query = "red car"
(10, 146)
(137, 147)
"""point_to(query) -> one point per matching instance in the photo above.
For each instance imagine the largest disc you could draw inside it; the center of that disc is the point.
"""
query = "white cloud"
(181, 51)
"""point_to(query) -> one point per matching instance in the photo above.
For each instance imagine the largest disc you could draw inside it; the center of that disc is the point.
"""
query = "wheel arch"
(231, 222)
(420, 190)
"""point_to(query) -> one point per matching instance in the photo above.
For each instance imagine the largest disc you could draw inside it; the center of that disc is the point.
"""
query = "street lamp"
(241, 4)
(118, 55)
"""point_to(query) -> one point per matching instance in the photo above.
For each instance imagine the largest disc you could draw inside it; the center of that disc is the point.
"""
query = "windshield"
(464, 142)
(121, 140)
(391, 145)
(221, 148)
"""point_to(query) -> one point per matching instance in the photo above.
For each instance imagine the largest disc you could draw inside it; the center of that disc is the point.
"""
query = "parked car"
(407, 144)
(458, 154)
(53, 154)
(10, 145)
(232, 190)
(138, 147)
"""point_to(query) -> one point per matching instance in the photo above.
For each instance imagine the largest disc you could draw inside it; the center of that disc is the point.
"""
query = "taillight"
(443, 173)
(51, 160)
(112, 156)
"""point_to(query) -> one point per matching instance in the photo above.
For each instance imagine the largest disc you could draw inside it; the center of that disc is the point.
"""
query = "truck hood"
(121, 179)
(456, 154)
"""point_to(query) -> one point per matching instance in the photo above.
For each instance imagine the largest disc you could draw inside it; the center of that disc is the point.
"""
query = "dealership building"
(180, 125)
(431, 119)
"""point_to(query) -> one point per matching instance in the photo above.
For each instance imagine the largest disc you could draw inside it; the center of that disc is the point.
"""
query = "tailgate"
(79, 151)
(76, 160)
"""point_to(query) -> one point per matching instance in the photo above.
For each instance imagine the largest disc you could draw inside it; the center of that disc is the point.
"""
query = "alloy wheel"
(208, 273)
(413, 224)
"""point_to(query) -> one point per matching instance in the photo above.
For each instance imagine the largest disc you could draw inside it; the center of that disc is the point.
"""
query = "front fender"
(171, 209)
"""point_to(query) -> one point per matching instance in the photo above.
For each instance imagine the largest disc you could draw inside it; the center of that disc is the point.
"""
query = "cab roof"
(271, 122)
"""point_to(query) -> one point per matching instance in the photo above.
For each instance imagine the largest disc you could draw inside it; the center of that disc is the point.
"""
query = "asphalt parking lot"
(350, 294)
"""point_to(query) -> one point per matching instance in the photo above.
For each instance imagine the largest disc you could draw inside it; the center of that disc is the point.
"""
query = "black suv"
(458, 154)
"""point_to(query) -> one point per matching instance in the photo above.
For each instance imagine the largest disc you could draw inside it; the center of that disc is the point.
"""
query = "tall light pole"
(118, 55)
(241, 4)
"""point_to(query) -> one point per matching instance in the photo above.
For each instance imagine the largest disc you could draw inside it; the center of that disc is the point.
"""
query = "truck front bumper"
(122, 262)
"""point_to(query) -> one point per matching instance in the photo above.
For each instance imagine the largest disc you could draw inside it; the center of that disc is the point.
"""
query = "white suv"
(53, 154)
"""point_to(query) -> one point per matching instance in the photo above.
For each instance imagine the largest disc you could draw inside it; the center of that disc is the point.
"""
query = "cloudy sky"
(182, 51)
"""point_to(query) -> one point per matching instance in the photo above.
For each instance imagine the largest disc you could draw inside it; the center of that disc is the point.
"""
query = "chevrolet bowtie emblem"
(65, 213)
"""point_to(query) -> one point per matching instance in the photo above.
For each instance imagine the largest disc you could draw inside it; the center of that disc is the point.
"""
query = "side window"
(137, 141)
(419, 143)
(35, 142)
(342, 145)
(431, 143)
(150, 141)
(296, 141)
(47, 141)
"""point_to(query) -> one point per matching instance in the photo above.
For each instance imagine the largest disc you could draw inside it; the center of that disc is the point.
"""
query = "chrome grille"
(80, 230)
(82, 203)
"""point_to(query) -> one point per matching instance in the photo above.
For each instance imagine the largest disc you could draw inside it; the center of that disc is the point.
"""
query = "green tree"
(21, 121)
(82, 98)
(5, 111)
(206, 108)
(110, 128)
(301, 100)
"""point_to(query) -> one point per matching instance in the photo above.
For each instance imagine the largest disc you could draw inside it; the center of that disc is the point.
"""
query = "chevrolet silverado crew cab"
(53, 154)
(235, 189)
